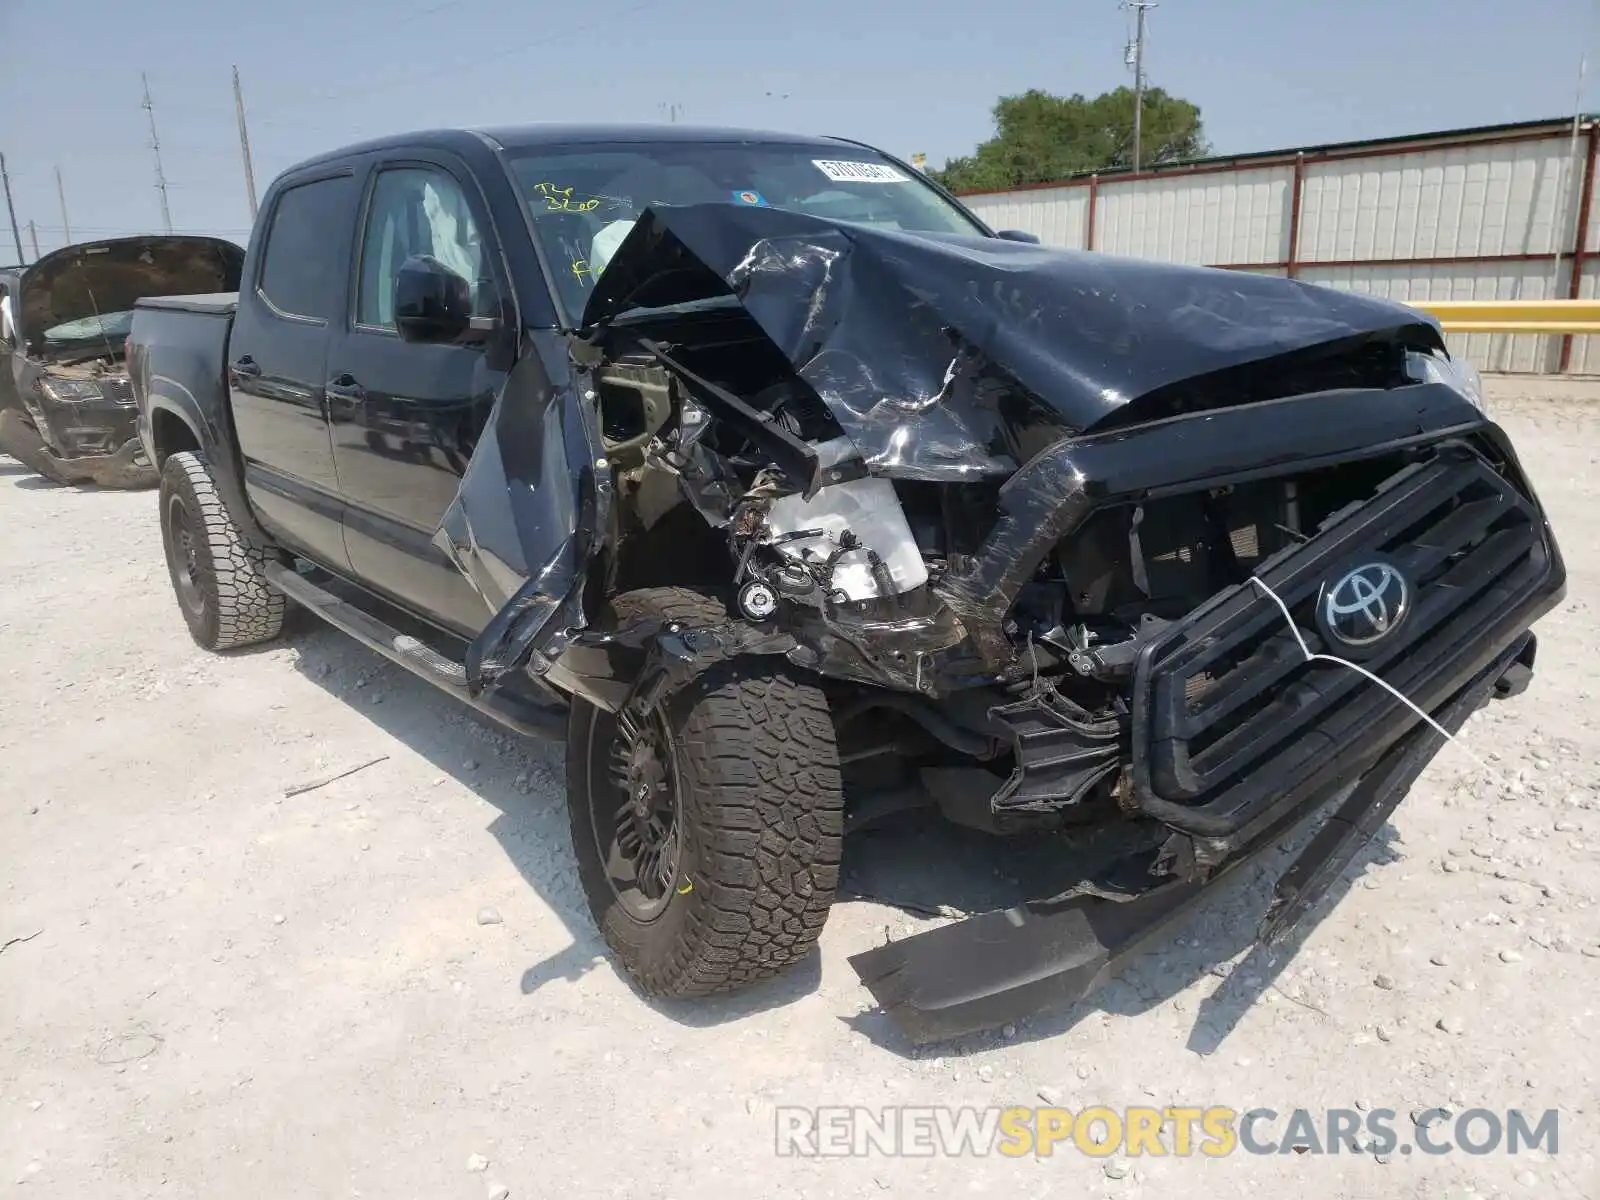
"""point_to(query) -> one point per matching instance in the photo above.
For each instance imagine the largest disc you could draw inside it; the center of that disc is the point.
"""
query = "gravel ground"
(218, 990)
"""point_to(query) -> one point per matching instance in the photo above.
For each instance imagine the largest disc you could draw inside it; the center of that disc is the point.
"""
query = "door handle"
(345, 386)
(245, 367)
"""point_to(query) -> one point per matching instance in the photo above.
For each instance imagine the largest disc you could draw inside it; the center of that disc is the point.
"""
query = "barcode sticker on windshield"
(858, 172)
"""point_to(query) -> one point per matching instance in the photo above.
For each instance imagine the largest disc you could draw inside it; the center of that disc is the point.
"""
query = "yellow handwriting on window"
(559, 199)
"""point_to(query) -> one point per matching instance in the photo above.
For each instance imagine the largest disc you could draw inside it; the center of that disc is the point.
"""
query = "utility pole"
(244, 144)
(155, 147)
(33, 236)
(1135, 59)
(61, 194)
(1565, 174)
(10, 208)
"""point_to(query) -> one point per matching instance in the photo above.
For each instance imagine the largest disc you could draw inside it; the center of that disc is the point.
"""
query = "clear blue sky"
(909, 75)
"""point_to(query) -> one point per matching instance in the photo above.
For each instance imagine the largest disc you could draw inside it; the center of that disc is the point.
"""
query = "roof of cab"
(517, 137)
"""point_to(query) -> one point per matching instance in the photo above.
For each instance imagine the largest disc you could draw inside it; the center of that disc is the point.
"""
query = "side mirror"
(431, 302)
(1018, 235)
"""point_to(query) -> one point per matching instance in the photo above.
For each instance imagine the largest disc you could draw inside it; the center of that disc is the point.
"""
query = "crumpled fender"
(533, 506)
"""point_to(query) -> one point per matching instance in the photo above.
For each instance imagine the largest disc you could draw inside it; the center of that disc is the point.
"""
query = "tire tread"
(760, 790)
(244, 609)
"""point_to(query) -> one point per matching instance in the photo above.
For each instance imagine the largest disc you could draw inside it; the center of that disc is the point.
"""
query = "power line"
(140, 229)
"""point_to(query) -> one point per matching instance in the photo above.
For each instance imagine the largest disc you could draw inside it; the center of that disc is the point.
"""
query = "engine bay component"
(865, 509)
(757, 600)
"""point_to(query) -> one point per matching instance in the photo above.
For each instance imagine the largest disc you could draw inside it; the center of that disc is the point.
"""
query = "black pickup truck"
(790, 494)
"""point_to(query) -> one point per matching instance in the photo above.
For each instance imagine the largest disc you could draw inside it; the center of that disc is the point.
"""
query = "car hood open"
(885, 325)
(108, 276)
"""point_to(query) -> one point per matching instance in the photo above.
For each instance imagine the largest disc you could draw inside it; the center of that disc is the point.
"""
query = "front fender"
(531, 513)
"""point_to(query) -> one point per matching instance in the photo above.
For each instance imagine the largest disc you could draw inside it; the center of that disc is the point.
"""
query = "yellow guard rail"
(1514, 316)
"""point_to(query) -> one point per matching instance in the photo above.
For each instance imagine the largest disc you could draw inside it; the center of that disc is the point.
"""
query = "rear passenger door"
(405, 416)
(277, 358)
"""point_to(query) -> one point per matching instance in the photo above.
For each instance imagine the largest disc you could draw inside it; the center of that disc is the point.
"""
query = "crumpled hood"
(887, 325)
(108, 276)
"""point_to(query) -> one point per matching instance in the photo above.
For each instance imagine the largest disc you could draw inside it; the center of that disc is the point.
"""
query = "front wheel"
(216, 568)
(709, 849)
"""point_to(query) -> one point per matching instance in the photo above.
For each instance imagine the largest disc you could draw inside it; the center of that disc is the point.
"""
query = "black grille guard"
(1232, 726)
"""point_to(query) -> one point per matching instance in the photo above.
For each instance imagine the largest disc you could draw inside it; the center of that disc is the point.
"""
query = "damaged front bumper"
(1004, 966)
(1236, 736)
(85, 442)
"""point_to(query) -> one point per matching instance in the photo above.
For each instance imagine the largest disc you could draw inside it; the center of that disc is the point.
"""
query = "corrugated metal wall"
(1470, 217)
(1241, 217)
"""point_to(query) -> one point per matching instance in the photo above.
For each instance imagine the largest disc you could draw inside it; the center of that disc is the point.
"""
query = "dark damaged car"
(790, 495)
(66, 410)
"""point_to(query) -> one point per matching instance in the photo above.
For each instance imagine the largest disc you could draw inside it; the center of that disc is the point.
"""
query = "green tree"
(1040, 138)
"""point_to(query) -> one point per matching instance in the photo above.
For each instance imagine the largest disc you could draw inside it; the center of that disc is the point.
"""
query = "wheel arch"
(174, 419)
(171, 430)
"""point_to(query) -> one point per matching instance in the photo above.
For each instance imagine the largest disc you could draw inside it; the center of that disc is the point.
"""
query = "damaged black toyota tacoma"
(788, 493)
(66, 410)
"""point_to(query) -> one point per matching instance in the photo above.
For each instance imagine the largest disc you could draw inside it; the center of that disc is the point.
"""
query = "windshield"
(114, 327)
(583, 201)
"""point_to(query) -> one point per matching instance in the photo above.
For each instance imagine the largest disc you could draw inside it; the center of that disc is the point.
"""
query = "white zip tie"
(1384, 684)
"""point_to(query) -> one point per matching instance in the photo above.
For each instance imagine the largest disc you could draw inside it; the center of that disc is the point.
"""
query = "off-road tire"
(762, 819)
(231, 604)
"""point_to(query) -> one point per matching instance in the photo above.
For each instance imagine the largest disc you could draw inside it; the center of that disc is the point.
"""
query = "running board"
(422, 660)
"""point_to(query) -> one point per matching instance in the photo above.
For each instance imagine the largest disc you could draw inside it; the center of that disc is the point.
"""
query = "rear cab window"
(303, 268)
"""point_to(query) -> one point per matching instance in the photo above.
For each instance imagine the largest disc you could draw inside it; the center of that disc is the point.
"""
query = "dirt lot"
(217, 990)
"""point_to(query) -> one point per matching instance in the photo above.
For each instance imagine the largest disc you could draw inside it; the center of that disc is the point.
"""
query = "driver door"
(405, 416)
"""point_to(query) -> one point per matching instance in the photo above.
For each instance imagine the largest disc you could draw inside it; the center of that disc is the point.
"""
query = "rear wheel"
(709, 849)
(216, 568)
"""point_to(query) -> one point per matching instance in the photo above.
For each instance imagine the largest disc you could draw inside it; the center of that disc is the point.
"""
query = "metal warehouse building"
(1496, 213)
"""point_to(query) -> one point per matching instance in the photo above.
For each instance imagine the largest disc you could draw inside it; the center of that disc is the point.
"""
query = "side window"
(416, 210)
(300, 274)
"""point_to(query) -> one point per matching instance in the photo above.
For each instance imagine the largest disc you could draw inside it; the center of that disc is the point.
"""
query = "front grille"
(117, 389)
(1228, 714)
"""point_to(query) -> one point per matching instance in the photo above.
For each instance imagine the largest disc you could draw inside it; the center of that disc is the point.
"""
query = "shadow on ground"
(1221, 926)
(915, 864)
(531, 820)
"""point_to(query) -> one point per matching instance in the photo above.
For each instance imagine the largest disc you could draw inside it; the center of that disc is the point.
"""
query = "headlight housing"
(69, 391)
(1438, 367)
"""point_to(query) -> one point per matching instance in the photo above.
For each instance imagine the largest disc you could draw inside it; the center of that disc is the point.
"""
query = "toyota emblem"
(1364, 605)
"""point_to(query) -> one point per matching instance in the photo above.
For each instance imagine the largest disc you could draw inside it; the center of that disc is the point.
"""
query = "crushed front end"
(1414, 549)
(77, 423)
(66, 404)
(1071, 540)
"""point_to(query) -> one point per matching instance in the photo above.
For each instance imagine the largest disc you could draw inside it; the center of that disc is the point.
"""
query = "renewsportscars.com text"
(1179, 1131)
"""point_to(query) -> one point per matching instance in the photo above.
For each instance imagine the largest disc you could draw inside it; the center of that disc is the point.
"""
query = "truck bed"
(177, 356)
(218, 304)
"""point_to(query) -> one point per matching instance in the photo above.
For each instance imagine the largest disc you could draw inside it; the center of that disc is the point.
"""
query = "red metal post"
(1094, 197)
(1294, 215)
(1580, 245)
